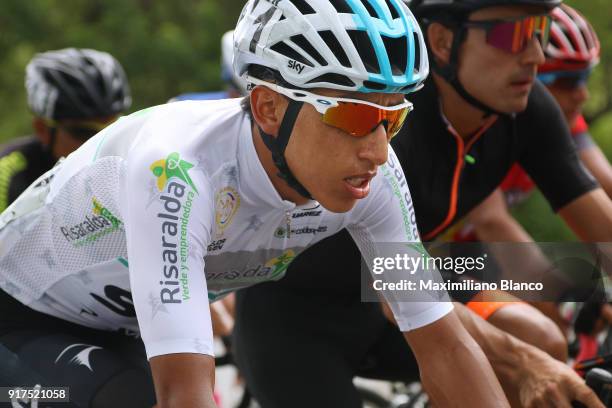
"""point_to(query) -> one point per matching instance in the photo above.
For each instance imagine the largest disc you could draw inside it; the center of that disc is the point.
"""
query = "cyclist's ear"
(439, 41)
(268, 108)
(42, 131)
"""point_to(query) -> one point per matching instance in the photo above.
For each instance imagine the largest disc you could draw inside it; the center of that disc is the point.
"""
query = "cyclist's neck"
(465, 118)
(281, 186)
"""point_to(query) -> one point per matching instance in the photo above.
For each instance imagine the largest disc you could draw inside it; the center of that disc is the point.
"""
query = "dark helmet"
(460, 8)
(76, 84)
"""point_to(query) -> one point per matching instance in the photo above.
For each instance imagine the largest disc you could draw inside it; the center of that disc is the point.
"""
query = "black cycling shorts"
(101, 368)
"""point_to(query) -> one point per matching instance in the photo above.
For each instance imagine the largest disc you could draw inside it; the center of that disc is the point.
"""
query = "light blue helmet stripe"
(410, 49)
(383, 12)
(394, 28)
(366, 23)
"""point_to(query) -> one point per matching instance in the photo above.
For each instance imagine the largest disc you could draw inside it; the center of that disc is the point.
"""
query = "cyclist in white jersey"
(178, 205)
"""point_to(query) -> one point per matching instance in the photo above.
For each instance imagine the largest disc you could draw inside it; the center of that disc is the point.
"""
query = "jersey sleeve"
(386, 221)
(548, 153)
(168, 228)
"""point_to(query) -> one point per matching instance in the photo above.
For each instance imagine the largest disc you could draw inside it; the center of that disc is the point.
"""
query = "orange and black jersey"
(21, 163)
(445, 185)
(448, 177)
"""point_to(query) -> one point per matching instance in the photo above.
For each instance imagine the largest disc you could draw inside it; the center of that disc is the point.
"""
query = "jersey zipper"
(454, 193)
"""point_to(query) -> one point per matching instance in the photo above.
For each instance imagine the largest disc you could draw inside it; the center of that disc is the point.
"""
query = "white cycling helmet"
(352, 45)
(227, 67)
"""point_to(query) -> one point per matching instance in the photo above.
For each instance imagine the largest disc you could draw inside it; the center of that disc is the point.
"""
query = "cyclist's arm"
(448, 358)
(493, 222)
(599, 166)
(450, 362)
(549, 156)
(184, 380)
(542, 380)
(168, 218)
(590, 216)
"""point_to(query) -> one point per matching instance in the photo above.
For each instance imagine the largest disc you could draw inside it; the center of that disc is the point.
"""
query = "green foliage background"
(172, 46)
(166, 47)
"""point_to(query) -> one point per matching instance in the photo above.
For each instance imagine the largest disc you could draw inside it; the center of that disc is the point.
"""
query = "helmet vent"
(289, 52)
(374, 85)
(303, 7)
(394, 13)
(370, 9)
(397, 52)
(334, 79)
(333, 44)
(304, 44)
(341, 6)
(364, 47)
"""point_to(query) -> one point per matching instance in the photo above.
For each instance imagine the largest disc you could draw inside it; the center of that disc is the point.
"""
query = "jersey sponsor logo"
(216, 245)
(296, 66)
(172, 167)
(80, 358)
(306, 214)
(178, 193)
(273, 2)
(281, 232)
(394, 175)
(100, 223)
(272, 269)
(227, 202)
(118, 300)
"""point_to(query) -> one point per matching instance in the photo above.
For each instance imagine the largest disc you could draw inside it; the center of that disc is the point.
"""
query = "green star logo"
(172, 167)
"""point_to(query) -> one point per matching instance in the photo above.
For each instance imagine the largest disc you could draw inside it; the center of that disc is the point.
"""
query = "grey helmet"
(76, 84)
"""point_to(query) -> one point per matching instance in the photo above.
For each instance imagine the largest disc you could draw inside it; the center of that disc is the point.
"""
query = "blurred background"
(173, 47)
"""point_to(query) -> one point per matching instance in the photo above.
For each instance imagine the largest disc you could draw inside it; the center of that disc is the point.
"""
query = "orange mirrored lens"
(360, 120)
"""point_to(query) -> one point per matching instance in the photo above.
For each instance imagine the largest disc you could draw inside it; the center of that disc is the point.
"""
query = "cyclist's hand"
(550, 383)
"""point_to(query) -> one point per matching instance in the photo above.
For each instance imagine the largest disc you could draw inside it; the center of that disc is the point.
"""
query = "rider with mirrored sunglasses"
(571, 55)
(175, 206)
(479, 114)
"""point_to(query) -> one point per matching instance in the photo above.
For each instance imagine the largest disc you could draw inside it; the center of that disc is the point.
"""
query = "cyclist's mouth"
(523, 84)
(359, 186)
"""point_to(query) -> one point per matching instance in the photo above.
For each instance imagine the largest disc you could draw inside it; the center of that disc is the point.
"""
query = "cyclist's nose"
(533, 53)
(375, 146)
(581, 94)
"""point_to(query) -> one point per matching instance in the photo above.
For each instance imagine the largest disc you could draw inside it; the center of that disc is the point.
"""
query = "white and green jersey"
(168, 209)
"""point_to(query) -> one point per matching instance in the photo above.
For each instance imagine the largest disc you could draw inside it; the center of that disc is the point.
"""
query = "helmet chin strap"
(450, 73)
(277, 146)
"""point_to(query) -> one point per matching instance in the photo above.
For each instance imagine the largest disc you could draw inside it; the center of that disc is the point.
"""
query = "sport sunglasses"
(513, 35)
(354, 116)
(565, 79)
(81, 130)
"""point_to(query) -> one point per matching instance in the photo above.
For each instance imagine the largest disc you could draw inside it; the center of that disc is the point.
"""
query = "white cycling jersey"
(168, 209)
